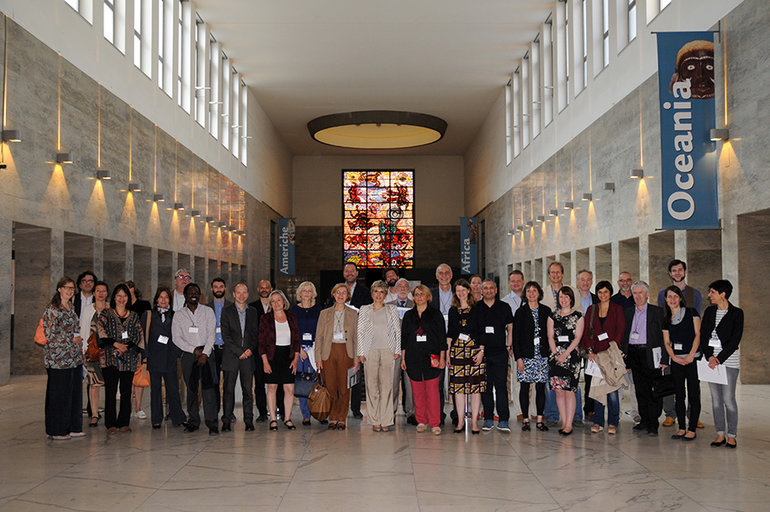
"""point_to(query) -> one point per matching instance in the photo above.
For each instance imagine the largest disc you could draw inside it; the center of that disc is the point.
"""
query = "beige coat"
(613, 369)
(324, 333)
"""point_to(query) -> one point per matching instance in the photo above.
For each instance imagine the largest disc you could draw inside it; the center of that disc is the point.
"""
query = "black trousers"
(172, 397)
(64, 401)
(112, 379)
(649, 408)
(356, 393)
(217, 355)
(204, 377)
(497, 378)
(588, 403)
(260, 396)
(524, 398)
(687, 374)
(246, 372)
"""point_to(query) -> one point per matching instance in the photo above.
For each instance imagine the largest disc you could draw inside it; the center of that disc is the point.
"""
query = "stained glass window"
(378, 223)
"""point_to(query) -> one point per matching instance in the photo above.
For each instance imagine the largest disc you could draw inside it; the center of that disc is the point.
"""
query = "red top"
(614, 326)
(267, 335)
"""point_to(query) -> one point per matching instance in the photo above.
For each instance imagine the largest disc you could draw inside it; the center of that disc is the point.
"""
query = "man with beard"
(390, 276)
(264, 289)
(85, 284)
(677, 271)
(193, 331)
(624, 298)
(218, 290)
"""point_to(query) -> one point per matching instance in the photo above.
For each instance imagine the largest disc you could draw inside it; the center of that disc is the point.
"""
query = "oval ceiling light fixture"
(377, 129)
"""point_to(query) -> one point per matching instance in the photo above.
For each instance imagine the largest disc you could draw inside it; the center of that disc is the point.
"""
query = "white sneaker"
(77, 434)
(141, 415)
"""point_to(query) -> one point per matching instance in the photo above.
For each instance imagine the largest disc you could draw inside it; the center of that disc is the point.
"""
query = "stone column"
(98, 266)
(644, 258)
(6, 298)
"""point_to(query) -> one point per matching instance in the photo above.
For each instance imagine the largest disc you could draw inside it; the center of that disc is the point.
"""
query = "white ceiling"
(308, 58)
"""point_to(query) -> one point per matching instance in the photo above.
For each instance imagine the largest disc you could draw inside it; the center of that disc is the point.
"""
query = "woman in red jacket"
(604, 322)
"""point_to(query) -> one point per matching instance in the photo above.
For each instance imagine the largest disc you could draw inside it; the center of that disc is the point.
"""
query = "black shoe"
(525, 426)
(190, 427)
(728, 445)
(718, 443)
(459, 430)
(542, 427)
(249, 426)
(475, 432)
(306, 422)
(565, 433)
(290, 425)
(324, 422)
(261, 418)
(652, 433)
(156, 427)
(412, 420)
(640, 426)
(357, 415)
(214, 431)
(693, 438)
(273, 425)
(226, 426)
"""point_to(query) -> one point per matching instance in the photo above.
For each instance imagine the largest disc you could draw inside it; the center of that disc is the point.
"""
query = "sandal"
(377, 428)
(596, 429)
(525, 426)
(386, 429)
(612, 430)
(94, 421)
(273, 425)
(542, 427)
(290, 425)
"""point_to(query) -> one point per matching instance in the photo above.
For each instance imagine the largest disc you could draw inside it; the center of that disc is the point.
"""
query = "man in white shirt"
(513, 299)
(181, 279)
(442, 299)
(403, 301)
(193, 330)
(555, 276)
(391, 279)
(85, 284)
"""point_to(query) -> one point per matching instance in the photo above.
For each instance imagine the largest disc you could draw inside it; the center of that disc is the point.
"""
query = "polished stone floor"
(316, 469)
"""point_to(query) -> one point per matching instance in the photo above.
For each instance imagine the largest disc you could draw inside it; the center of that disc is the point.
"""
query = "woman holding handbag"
(379, 346)
(162, 357)
(605, 322)
(121, 337)
(307, 313)
(88, 316)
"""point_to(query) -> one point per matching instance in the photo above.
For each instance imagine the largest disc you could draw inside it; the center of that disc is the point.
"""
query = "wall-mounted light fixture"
(530, 223)
(11, 135)
(158, 198)
(179, 206)
(240, 232)
(103, 174)
(511, 233)
(64, 157)
(569, 205)
(220, 224)
(609, 186)
(588, 196)
(195, 213)
(541, 218)
(209, 219)
(637, 174)
(134, 187)
(553, 213)
(716, 134)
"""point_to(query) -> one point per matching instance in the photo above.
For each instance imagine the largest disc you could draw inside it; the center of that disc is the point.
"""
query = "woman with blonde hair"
(379, 346)
(307, 311)
(335, 350)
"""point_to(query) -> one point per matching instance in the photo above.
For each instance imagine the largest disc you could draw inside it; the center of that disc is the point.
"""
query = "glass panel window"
(585, 42)
(605, 33)
(75, 4)
(179, 53)
(234, 121)
(508, 123)
(631, 20)
(138, 33)
(664, 4)
(109, 20)
(244, 123)
(378, 218)
(215, 103)
(224, 116)
(161, 41)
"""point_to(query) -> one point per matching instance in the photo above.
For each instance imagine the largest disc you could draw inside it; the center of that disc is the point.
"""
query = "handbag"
(319, 400)
(92, 350)
(40, 334)
(303, 384)
(142, 377)
(662, 386)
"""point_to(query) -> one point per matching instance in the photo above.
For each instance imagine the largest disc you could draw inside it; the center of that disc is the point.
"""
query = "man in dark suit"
(359, 296)
(442, 300)
(584, 299)
(264, 289)
(642, 339)
(239, 331)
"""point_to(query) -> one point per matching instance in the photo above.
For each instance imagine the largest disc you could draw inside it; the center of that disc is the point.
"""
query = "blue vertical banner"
(469, 235)
(286, 235)
(687, 114)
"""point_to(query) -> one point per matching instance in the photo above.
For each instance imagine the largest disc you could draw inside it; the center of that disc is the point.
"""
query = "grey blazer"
(366, 329)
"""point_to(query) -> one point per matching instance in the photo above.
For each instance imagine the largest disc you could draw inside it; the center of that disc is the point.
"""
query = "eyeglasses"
(68, 287)
(86, 280)
(182, 276)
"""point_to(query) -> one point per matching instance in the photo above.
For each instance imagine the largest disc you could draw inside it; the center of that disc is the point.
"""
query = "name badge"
(124, 335)
(603, 336)
(192, 330)
(422, 338)
(464, 337)
(219, 330)
(715, 343)
(563, 339)
(489, 329)
(634, 336)
(162, 339)
(339, 336)
(306, 336)
(677, 346)
(537, 340)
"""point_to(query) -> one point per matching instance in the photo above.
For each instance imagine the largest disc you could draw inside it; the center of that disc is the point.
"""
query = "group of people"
(402, 339)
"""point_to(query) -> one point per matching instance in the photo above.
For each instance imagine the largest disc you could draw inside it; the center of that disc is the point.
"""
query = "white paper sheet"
(705, 374)
(593, 369)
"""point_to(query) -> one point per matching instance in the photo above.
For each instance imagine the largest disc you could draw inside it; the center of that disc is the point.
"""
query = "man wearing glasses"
(181, 279)
(85, 284)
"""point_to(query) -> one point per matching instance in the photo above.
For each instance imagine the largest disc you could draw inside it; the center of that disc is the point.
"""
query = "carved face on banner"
(695, 61)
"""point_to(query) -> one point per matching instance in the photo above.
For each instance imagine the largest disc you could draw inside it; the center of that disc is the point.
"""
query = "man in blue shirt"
(218, 302)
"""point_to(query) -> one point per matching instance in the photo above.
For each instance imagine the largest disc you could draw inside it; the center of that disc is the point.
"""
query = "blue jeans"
(723, 403)
(552, 412)
(305, 367)
(613, 404)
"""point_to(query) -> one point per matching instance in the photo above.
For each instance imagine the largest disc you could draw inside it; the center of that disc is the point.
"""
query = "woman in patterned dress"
(530, 350)
(565, 329)
(63, 358)
(467, 371)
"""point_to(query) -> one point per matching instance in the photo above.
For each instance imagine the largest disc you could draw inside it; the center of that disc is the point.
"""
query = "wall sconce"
(209, 219)
(637, 174)
(63, 157)
(511, 233)
(569, 205)
(179, 206)
(553, 213)
(134, 187)
(232, 228)
(219, 224)
(530, 223)
(609, 186)
(103, 174)
(716, 134)
(541, 218)
(588, 196)
(240, 232)
(195, 213)
(11, 135)
(158, 198)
